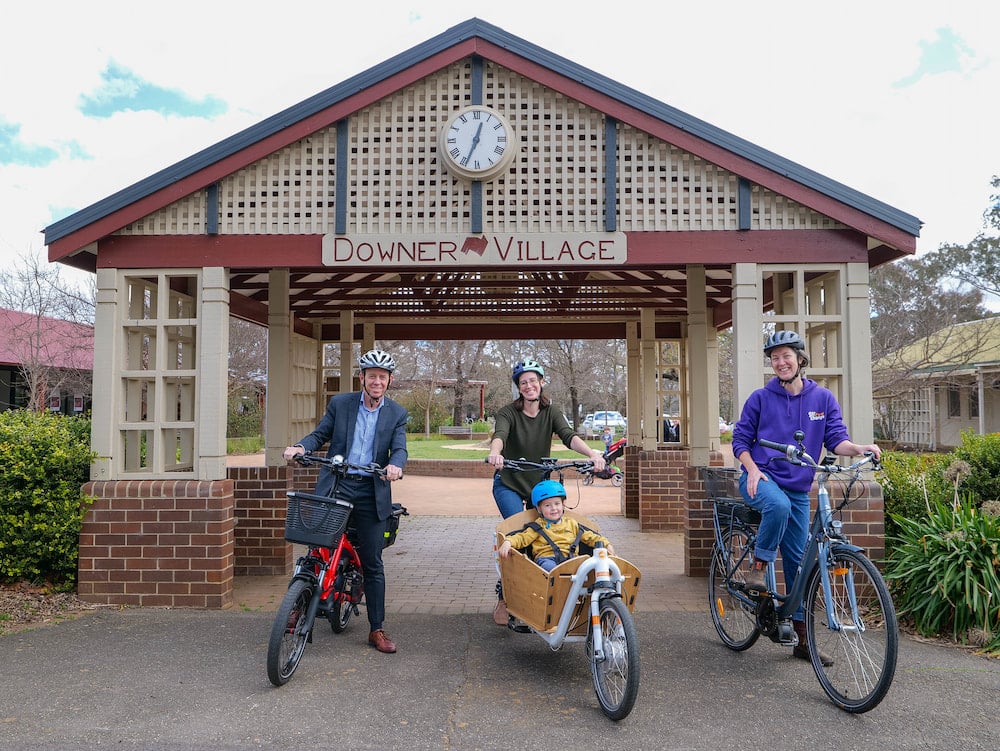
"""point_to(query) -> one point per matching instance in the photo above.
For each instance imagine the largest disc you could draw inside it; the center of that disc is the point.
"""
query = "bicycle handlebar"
(338, 464)
(796, 454)
(547, 465)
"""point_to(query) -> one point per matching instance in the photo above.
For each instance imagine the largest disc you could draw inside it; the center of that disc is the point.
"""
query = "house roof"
(515, 53)
(51, 342)
(960, 347)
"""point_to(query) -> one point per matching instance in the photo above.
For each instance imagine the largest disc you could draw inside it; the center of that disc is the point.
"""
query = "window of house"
(954, 402)
(973, 402)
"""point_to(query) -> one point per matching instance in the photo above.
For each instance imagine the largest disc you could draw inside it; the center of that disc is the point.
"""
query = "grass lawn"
(418, 447)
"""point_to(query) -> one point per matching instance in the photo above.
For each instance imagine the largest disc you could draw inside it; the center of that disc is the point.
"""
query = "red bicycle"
(328, 580)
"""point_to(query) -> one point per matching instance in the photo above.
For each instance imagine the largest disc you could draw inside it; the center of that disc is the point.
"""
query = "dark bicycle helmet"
(784, 339)
(547, 489)
(526, 366)
(376, 358)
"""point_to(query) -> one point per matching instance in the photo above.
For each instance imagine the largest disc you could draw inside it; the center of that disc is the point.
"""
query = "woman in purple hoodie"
(788, 402)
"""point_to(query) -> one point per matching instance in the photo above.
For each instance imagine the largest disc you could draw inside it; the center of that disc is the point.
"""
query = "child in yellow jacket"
(547, 497)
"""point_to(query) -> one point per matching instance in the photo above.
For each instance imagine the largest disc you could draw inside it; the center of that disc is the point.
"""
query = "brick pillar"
(662, 476)
(158, 543)
(261, 504)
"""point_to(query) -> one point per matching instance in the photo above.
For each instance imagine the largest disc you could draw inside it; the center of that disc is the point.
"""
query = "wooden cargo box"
(536, 596)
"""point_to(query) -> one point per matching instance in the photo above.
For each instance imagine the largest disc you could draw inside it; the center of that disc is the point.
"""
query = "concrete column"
(703, 400)
(213, 373)
(633, 384)
(647, 348)
(748, 326)
(346, 344)
(107, 358)
(857, 403)
(279, 356)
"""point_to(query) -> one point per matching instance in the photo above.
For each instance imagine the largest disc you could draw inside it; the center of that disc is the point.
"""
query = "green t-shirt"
(528, 438)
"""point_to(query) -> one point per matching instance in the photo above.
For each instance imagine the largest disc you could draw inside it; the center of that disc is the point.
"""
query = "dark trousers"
(370, 540)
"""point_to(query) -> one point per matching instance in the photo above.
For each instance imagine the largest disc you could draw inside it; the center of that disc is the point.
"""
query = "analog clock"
(477, 143)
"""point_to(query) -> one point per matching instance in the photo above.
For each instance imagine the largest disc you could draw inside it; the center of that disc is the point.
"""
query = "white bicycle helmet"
(376, 358)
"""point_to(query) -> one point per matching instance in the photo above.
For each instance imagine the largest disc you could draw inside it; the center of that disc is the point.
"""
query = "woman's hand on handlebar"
(292, 451)
(495, 460)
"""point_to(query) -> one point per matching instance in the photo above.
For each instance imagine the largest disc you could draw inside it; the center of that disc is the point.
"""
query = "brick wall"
(158, 543)
(450, 467)
(260, 503)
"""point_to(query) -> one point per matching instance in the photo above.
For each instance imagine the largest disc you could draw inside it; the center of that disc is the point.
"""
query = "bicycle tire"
(864, 659)
(734, 619)
(342, 608)
(616, 677)
(285, 646)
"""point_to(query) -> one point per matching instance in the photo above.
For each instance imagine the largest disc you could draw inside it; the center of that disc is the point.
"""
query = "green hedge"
(44, 462)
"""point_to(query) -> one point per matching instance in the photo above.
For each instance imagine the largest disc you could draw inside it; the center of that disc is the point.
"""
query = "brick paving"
(442, 561)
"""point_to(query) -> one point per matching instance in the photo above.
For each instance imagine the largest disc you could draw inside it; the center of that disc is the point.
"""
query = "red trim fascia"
(753, 246)
(197, 251)
(715, 154)
(220, 169)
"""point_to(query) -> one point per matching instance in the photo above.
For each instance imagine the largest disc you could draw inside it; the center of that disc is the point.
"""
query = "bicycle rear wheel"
(864, 645)
(344, 599)
(616, 677)
(285, 646)
(733, 618)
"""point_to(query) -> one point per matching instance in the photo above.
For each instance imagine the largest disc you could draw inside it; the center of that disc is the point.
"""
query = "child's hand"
(504, 550)
(611, 549)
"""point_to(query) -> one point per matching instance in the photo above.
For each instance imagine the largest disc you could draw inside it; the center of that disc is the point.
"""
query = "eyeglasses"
(528, 382)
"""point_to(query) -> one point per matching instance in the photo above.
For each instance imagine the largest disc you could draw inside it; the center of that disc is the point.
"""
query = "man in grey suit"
(365, 427)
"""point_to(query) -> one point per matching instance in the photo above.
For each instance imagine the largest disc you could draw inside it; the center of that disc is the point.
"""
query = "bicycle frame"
(823, 539)
(324, 575)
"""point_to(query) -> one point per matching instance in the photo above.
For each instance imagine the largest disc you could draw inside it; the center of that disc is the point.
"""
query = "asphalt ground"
(159, 678)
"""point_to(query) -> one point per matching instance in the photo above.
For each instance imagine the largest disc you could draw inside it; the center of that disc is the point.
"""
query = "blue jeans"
(509, 502)
(547, 563)
(784, 526)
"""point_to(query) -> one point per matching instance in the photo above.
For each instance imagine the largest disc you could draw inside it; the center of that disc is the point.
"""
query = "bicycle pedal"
(518, 627)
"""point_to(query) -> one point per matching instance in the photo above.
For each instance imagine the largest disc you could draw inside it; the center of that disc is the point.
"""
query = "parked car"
(599, 420)
(724, 427)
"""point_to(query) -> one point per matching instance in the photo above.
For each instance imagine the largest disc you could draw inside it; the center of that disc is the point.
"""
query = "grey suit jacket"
(337, 428)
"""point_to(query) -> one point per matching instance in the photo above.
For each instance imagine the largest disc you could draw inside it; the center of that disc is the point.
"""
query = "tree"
(52, 337)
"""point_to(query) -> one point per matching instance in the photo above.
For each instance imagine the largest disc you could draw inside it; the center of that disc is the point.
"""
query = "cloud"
(121, 90)
(14, 150)
(946, 53)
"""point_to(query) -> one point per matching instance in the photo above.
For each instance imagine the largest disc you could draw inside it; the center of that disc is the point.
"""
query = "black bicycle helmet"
(376, 358)
(526, 366)
(784, 339)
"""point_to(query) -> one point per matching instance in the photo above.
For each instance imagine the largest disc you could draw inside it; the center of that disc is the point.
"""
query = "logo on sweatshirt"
(816, 416)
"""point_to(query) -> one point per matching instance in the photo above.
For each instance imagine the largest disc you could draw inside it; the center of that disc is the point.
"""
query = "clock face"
(477, 143)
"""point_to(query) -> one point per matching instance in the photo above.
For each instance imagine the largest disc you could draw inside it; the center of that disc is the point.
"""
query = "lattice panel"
(302, 374)
(663, 188)
(557, 182)
(396, 184)
(773, 211)
(289, 192)
(183, 217)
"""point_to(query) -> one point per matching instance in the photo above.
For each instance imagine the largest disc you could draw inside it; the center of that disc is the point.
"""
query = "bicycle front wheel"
(733, 617)
(616, 677)
(286, 645)
(864, 638)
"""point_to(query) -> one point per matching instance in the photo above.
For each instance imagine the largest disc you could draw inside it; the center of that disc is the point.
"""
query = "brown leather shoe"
(801, 650)
(381, 642)
(500, 613)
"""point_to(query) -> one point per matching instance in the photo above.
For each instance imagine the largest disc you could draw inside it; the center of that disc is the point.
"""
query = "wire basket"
(316, 520)
(722, 483)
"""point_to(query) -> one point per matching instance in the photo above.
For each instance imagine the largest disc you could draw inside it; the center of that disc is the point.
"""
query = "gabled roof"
(50, 341)
(960, 347)
(888, 225)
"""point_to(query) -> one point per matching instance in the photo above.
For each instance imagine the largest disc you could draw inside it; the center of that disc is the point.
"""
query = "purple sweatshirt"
(773, 414)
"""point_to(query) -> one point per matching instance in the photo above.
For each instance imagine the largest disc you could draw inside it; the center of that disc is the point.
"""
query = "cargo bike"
(588, 598)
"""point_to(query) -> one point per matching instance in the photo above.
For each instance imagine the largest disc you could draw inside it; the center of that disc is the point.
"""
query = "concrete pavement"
(182, 679)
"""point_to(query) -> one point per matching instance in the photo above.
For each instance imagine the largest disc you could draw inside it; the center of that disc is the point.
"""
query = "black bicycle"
(328, 580)
(849, 614)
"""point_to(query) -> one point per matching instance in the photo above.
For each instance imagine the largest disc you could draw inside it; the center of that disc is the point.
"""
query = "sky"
(895, 98)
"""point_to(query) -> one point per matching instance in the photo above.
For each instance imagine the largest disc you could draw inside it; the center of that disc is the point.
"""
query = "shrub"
(982, 453)
(943, 572)
(911, 483)
(44, 461)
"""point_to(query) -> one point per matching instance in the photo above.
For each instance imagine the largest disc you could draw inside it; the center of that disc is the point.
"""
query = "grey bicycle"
(849, 614)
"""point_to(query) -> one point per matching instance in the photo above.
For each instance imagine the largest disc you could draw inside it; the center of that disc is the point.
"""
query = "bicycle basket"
(721, 483)
(392, 528)
(316, 520)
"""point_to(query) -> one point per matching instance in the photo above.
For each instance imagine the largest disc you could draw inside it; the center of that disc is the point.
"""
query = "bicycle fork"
(602, 586)
(828, 569)
(304, 627)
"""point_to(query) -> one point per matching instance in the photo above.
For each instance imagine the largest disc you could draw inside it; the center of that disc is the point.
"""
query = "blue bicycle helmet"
(784, 339)
(526, 366)
(547, 489)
